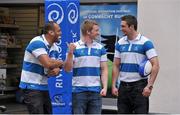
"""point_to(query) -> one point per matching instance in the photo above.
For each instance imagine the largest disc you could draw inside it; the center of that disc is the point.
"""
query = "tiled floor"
(15, 108)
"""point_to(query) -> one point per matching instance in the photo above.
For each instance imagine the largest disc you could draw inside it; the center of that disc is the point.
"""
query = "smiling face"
(53, 31)
(125, 27)
(90, 28)
(128, 24)
(94, 32)
(57, 32)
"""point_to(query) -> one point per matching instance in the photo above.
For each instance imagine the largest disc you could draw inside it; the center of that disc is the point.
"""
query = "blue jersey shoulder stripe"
(148, 45)
(82, 89)
(117, 46)
(32, 67)
(86, 71)
(35, 45)
(126, 67)
(103, 51)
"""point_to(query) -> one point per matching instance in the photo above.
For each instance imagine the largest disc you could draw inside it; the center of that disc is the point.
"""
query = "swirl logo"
(54, 14)
(58, 100)
(73, 13)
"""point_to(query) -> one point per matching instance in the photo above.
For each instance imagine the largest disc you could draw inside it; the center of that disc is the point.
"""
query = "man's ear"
(51, 33)
(88, 32)
(132, 26)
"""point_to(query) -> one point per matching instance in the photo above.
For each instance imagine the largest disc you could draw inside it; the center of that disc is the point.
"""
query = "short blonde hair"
(87, 25)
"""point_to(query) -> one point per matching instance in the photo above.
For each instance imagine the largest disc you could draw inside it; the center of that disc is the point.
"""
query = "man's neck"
(49, 39)
(87, 40)
(132, 35)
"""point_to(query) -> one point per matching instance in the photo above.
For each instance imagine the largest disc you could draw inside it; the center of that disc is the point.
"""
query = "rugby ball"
(145, 68)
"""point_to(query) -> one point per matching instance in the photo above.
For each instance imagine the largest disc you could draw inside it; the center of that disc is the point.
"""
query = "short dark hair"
(131, 20)
(49, 26)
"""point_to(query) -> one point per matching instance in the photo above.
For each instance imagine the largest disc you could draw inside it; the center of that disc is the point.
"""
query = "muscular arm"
(115, 71)
(104, 74)
(115, 74)
(104, 77)
(68, 65)
(155, 69)
(69, 62)
(50, 63)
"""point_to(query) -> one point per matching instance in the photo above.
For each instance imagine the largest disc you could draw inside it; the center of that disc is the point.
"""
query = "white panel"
(159, 20)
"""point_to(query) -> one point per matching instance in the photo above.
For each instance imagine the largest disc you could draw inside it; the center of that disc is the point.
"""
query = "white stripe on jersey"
(86, 81)
(133, 58)
(117, 54)
(151, 53)
(104, 58)
(84, 61)
(39, 52)
(29, 77)
(130, 77)
(30, 58)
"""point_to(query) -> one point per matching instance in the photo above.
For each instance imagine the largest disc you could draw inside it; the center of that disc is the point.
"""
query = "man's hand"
(71, 47)
(114, 91)
(103, 92)
(62, 63)
(68, 64)
(147, 91)
(53, 72)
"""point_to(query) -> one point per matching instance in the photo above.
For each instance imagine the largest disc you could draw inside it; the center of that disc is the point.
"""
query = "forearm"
(104, 75)
(115, 74)
(104, 78)
(155, 69)
(49, 63)
(55, 64)
(153, 75)
(68, 64)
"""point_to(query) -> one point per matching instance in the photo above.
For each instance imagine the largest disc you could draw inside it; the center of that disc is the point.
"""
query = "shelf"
(13, 26)
(9, 66)
(11, 46)
(8, 89)
(6, 96)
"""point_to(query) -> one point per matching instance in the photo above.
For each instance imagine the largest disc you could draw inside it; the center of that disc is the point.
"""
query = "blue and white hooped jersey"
(131, 54)
(86, 68)
(33, 73)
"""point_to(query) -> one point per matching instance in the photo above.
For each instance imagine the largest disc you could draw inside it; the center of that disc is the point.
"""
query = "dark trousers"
(38, 102)
(131, 100)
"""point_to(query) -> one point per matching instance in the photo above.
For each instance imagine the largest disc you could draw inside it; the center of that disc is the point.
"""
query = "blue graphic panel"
(66, 14)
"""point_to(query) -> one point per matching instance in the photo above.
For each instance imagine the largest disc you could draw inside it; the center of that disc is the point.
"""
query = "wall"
(160, 21)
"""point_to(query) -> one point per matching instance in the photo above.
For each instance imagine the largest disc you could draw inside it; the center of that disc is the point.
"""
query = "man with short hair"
(90, 70)
(37, 65)
(130, 51)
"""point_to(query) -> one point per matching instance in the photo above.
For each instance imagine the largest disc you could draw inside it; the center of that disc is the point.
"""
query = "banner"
(109, 19)
(66, 14)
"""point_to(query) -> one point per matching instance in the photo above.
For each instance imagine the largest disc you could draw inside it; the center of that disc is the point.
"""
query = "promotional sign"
(109, 19)
(66, 14)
